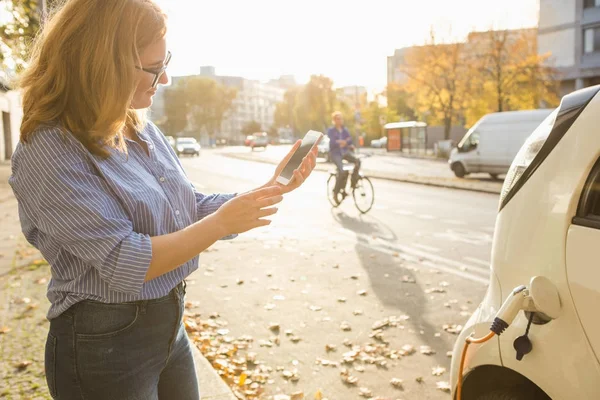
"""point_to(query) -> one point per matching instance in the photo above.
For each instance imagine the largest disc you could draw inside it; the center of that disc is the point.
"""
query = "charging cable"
(518, 300)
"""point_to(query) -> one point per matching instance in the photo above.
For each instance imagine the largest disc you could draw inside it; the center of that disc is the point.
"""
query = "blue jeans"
(124, 351)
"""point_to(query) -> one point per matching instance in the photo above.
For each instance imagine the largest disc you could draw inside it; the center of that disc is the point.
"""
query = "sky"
(347, 41)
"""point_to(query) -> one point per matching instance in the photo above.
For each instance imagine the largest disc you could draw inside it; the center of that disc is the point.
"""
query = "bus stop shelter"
(408, 137)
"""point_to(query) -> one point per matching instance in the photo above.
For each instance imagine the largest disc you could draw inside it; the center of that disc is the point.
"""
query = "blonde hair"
(82, 71)
(335, 114)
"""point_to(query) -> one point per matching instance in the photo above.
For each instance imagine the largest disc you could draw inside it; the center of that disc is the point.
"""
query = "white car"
(379, 143)
(548, 230)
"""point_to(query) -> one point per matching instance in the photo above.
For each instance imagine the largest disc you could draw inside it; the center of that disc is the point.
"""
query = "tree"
(438, 78)
(18, 31)
(399, 100)
(208, 102)
(284, 111)
(315, 103)
(512, 75)
(176, 108)
(251, 127)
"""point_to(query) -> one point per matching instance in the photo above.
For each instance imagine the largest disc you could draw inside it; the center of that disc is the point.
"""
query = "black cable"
(529, 323)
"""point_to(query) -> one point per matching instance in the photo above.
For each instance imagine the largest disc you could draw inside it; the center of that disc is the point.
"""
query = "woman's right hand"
(248, 211)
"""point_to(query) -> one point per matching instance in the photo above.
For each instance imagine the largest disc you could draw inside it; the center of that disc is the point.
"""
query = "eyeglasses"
(157, 72)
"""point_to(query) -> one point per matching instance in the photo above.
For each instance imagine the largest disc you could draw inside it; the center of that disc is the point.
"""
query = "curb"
(210, 384)
(372, 174)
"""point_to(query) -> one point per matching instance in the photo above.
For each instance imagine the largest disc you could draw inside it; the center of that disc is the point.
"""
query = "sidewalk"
(23, 305)
(397, 168)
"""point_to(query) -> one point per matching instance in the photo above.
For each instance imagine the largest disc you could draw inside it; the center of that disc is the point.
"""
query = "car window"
(588, 210)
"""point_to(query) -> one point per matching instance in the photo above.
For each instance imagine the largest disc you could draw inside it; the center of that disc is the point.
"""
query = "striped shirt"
(92, 218)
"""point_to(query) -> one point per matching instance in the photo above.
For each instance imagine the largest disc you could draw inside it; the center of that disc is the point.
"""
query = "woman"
(103, 197)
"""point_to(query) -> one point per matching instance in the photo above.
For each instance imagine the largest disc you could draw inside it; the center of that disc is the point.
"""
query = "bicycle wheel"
(335, 202)
(363, 194)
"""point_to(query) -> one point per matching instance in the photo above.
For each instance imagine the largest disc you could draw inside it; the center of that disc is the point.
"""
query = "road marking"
(426, 216)
(454, 222)
(425, 247)
(460, 269)
(198, 185)
(477, 261)
(403, 212)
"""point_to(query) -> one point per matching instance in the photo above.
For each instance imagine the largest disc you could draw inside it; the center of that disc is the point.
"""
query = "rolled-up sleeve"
(74, 207)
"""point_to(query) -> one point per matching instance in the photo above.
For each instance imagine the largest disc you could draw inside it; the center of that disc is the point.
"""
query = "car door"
(583, 268)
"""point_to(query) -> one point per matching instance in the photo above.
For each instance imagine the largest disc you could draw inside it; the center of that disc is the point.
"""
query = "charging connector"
(541, 297)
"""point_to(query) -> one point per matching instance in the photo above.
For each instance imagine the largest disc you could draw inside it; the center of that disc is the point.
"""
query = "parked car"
(259, 140)
(187, 145)
(248, 140)
(493, 142)
(323, 148)
(380, 143)
(548, 227)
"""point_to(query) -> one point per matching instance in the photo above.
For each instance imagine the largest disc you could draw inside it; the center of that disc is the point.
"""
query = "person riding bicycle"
(340, 148)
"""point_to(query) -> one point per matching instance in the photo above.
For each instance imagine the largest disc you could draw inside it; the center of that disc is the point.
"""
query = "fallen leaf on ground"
(269, 306)
(239, 281)
(23, 364)
(274, 326)
(41, 281)
(318, 395)
(315, 308)
(24, 300)
(4, 329)
(407, 350)
(362, 292)
(345, 326)
(341, 299)
(438, 371)
(426, 350)
(397, 383)
(357, 312)
(330, 347)
(419, 379)
(278, 297)
(443, 386)
(449, 354)
(347, 342)
(435, 290)
(297, 395)
(355, 277)
(408, 279)
(366, 392)
(452, 328)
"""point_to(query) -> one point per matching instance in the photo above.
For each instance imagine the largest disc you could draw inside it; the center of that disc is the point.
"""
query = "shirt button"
(162, 179)
(176, 212)
(151, 147)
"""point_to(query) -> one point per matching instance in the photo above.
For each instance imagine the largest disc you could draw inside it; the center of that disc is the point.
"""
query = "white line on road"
(425, 247)
(467, 271)
(426, 216)
(403, 212)
(478, 261)
(454, 222)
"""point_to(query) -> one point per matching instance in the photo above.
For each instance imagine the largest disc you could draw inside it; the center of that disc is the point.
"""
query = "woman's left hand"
(304, 170)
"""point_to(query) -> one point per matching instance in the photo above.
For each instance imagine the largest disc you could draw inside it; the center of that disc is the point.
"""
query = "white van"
(493, 142)
(545, 275)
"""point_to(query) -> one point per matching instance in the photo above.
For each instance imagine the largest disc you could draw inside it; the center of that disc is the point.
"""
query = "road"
(421, 257)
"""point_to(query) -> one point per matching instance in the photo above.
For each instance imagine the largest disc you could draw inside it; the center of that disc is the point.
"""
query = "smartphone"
(307, 144)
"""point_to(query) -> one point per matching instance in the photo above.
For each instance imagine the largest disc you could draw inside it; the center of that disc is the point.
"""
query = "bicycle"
(362, 193)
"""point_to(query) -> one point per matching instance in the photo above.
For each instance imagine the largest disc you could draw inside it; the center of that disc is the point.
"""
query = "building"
(255, 101)
(394, 64)
(12, 114)
(569, 30)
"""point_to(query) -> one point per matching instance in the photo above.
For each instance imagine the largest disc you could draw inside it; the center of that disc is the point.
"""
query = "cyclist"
(341, 148)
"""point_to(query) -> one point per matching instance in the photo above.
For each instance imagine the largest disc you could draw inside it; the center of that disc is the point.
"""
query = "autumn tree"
(251, 127)
(511, 75)
(438, 78)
